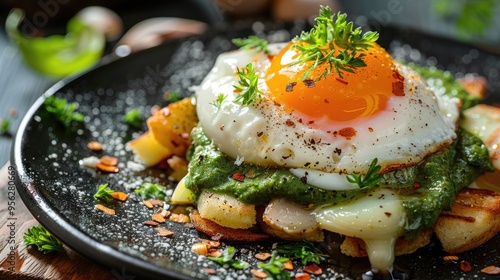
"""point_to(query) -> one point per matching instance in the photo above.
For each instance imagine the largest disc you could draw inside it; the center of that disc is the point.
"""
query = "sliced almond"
(157, 217)
(107, 160)
(165, 232)
(259, 273)
(107, 168)
(313, 269)
(148, 204)
(105, 209)
(151, 223)
(262, 256)
(492, 270)
(94, 146)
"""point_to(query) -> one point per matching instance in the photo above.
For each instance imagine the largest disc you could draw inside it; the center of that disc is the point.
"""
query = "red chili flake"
(313, 269)
(465, 266)
(270, 56)
(326, 101)
(416, 185)
(309, 83)
(289, 122)
(398, 86)
(347, 132)
(289, 86)
(370, 129)
(239, 177)
(342, 81)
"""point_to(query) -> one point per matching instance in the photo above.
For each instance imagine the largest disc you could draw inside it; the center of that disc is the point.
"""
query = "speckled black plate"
(59, 192)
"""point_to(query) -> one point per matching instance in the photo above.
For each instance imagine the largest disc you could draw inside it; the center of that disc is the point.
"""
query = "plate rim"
(100, 253)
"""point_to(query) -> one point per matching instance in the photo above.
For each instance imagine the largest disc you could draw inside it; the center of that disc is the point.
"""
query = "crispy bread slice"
(355, 247)
(473, 220)
(474, 85)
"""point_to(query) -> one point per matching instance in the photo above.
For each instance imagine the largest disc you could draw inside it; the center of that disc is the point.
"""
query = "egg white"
(409, 129)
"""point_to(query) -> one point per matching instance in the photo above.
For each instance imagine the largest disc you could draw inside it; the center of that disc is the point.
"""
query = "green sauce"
(426, 189)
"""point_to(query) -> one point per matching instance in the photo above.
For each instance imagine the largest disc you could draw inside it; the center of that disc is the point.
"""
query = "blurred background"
(43, 41)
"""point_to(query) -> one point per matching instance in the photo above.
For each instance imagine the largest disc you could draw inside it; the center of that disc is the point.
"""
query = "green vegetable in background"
(471, 17)
(43, 239)
(57, 55)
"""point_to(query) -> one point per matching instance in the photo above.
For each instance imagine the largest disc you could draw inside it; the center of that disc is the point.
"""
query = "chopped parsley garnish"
(218, 101)
(247, 88)
(103, 193)
(226, 259)
(4, 126)
(304, 251)
(43, 239)
(274, 268)
(252, 42)
(133, 118)
(333, 42)
(152, 191)
(371, 179)
(62, 110)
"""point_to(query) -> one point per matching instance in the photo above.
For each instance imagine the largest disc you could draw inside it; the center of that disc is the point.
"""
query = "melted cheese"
(378, 218)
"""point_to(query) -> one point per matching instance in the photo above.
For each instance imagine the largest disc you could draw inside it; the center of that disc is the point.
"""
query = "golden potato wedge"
(171, 125)
(149, 150)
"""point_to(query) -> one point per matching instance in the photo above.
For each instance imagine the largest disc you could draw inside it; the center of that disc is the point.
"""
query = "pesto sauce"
(439, 178)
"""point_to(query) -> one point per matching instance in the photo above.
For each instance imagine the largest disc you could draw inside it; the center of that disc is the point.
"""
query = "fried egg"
(334, 125)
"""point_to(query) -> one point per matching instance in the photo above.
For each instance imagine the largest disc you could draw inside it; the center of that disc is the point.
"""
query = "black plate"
(58, 191)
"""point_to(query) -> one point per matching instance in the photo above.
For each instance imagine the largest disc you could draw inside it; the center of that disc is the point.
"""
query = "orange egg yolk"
(361, 94)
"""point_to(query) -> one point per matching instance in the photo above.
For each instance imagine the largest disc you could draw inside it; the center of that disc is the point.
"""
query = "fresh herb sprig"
(247, 88)
(252, 42)
(103, 193)
(217, 103)
(62, 110)
(226, 259)
(152, 191)
(274, 268)
(43, 239)
(370, 179)
(304, 251)
(320, 44)
(133, 118)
